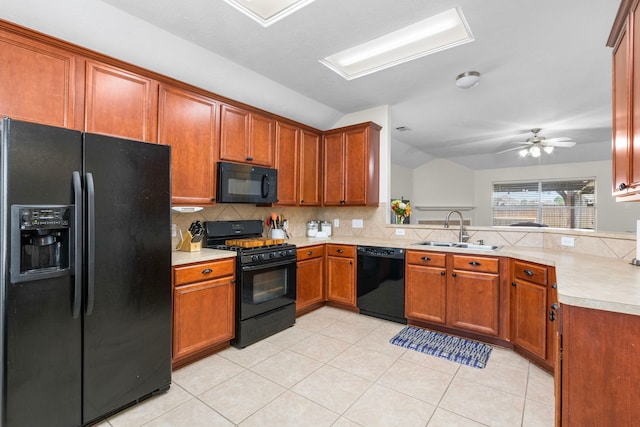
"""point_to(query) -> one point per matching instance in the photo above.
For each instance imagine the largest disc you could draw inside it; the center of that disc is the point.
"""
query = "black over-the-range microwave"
(239, 183)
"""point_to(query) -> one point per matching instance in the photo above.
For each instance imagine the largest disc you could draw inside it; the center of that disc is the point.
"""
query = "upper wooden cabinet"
(298, 154)
(351, 165)
(625, 40)
(37, 82)
(120, 103)
(246, 137)
(188, 123)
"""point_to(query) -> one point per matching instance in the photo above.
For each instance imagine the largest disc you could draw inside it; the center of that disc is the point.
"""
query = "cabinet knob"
(249, 159)
(554, 286)
(514, 284)
(309, 253)
(302, 201)
(474, 263)
(350, 262)
(454, 274)
(426, 258)
(340, 251)
(442, 273)
(622, 186)
(528, 272)
(554, 306)
(207, 271)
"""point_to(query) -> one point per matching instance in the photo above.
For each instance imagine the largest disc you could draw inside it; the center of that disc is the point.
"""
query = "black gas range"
(265, 278)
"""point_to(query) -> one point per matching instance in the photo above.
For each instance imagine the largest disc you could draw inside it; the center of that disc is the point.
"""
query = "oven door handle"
(269, 265)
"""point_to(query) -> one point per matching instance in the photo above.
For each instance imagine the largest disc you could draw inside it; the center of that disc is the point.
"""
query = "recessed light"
(439, 32)
(468, 79)
(267, 12)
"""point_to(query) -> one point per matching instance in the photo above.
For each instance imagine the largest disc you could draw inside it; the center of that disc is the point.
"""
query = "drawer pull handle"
(207, 271)
(528, 272)
(340, 251)
(474, 263)
(426, 258)
(309, 253)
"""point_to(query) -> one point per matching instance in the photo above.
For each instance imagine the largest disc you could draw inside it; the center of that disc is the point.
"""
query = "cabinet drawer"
(310, 252)
(203, 271)
(530, 272)
(475, 263)
(426, 258)
(347, 251)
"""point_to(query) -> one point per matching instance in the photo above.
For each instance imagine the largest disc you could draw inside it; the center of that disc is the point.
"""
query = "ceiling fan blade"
(513, 149)
(560, 139)
(561, 144)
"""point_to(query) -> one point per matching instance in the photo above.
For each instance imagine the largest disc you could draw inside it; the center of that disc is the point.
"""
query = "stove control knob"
(283, 253)
(254, 257)
(273, 255)
(261, 257)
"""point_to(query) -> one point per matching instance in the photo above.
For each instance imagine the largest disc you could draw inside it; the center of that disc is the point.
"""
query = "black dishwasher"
(380, 285)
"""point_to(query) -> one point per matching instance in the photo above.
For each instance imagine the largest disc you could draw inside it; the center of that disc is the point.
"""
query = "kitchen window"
(566, 203)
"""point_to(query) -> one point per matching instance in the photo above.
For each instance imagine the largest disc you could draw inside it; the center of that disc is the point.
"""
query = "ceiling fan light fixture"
(535, 151)
(524, 152)
(547, 149)
(468, 79)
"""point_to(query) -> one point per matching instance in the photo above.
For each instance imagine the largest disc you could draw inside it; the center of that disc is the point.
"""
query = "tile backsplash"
(613, 245)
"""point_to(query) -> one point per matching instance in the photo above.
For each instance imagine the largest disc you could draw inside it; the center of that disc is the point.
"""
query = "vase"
(399, 219)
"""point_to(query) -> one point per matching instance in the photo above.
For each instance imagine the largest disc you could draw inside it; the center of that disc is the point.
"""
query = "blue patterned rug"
(456, 349)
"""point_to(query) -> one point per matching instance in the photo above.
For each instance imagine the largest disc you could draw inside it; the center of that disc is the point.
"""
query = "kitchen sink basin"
(461, 245)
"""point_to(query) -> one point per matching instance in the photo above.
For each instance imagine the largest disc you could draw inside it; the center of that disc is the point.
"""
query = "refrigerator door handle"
(77, 256)
(91, 238)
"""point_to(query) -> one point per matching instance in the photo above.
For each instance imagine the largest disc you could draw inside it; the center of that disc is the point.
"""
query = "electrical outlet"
(399, 231)
(357, 223)
(336, 222)
(568, 241)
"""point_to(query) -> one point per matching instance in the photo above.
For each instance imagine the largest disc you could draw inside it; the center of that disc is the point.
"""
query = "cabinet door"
(203, 315)
(234, 134)
(528, 317)
(426, 293)
(474, 302)
(333, 170)
(310, 283)
(355, 166)
(36, 82)
(120, 103)
(287, 163)
(187, 122)
(261, 141)
(310, 182)
(341, 285)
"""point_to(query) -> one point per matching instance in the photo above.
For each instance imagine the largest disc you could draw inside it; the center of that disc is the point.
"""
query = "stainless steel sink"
(461, 245)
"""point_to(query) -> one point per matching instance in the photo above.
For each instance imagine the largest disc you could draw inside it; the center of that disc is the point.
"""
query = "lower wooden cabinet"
(310, 279)
(341, 275)
(203, 309)
(458, 292)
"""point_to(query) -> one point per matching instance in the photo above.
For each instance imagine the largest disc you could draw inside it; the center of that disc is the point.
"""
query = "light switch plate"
(357, 223)
(568, 241)
(336, 222)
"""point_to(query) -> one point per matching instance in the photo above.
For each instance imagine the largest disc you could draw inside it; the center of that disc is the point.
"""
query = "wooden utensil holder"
(188, 246)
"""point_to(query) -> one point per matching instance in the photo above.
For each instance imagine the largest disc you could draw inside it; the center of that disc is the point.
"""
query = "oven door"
(266, 287)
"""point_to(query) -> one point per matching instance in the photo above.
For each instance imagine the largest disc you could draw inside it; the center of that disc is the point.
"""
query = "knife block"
(188, 246)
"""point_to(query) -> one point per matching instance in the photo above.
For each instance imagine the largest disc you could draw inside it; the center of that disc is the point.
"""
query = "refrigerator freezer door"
(41, 356)
(127, 335)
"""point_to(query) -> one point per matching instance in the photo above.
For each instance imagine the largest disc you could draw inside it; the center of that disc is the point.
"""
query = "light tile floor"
(337, 368)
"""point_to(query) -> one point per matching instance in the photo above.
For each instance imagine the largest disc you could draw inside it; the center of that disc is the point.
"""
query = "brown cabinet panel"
(474, 302)
(341, 274)
(425, 258)
(311, 252)
(310, 182)
(474, 263)
(530, 272)
(203, 316)
(246, 137)
(426, 293)
(310, 283)
(188, 123)
(37, 82)
(183, 275)
(287, 139)
(528, 317)
(120, 103)
(262, 140)
(334, 179)
(356, 166)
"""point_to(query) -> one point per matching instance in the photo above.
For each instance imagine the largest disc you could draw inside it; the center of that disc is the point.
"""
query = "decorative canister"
(326, 227)
(312, 228)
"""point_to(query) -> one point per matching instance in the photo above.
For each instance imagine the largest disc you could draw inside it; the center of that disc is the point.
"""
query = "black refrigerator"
(86, 274)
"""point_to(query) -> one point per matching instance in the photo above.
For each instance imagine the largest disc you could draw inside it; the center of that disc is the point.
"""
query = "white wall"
(442, 184)
(611, 215)
(401, 182)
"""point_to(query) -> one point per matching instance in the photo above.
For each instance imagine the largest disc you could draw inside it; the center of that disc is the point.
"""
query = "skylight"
(439, 32)
(267, 12)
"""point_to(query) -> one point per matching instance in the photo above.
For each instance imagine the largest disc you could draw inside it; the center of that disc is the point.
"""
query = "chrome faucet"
(461, 236)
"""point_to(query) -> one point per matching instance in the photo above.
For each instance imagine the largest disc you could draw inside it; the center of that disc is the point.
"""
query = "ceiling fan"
(535, 145)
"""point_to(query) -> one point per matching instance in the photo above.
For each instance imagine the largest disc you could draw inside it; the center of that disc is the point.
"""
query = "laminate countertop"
(583, 280)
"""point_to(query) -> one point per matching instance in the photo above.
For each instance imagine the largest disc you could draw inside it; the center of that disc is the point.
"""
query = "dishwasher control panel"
(381, 251)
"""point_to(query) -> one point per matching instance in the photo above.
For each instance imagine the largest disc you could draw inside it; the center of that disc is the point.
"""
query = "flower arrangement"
(401, 210)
